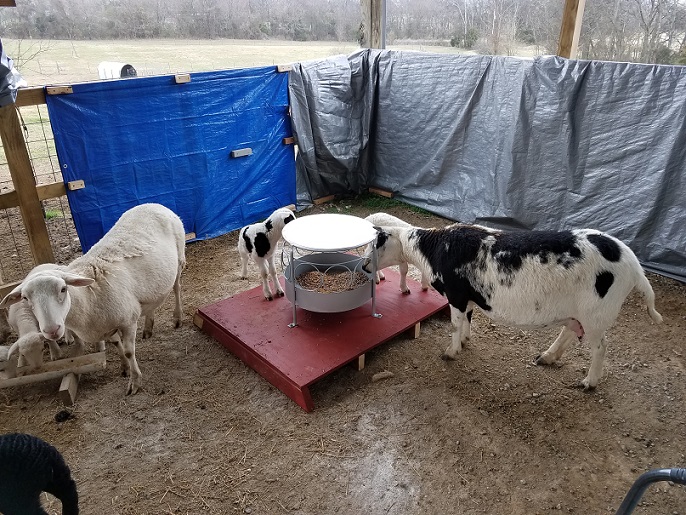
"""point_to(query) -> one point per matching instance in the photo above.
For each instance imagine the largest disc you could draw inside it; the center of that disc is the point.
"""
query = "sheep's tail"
(643, 285)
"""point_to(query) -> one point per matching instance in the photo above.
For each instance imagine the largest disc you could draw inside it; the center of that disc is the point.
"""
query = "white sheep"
(30, 342)
(386, 220)
(259, 241)
(578, 279)
(29, 467)
(128, 273)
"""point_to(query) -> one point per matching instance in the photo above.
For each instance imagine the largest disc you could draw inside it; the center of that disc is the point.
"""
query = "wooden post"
(25, 185)
(572, 16)
(374, 23)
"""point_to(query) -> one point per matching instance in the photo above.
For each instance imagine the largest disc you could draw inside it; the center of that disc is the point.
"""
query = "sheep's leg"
(116, 340)
(275, 277)
(425, 282)
(79, 349)
(457, 319)
(55, 351)
(467, 324)
(404, 268)
(128, 344)
(149, 324)
(380, 276)
(264, 275)
(244, 263)
(558, 348)
(596, 341)
(178, 307)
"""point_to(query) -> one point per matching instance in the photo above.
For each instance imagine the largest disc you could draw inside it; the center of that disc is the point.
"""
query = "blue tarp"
(152, 140)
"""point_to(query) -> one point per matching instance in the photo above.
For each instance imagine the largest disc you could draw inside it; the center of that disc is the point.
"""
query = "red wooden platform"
(292, 359)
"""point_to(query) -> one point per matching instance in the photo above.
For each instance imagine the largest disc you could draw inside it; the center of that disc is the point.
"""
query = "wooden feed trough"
(67, 368)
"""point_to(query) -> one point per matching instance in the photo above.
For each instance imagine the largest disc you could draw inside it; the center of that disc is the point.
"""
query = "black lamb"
(29, 466)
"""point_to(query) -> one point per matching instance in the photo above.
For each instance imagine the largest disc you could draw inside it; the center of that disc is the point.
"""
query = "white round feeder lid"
(328, 232)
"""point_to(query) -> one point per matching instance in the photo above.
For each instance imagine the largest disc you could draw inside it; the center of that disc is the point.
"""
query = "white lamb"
(128, 273)
(386, 220)
(260, 240)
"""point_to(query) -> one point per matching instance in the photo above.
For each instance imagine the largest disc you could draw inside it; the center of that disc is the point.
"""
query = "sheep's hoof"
(406, 292)
(446, 357)
(270, 298)
(583, 385)
(132, 388)
(280, 294)
(177, 324)
(147, 334)
(541, 360)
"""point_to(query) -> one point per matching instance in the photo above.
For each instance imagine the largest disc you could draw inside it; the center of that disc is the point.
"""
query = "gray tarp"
(546, 143)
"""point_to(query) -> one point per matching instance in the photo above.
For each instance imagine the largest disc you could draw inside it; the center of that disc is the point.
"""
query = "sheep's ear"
(77, 280)
(13, 348)
(12, 297)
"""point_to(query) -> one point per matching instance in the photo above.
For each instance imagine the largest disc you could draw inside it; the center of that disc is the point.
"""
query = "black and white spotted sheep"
(28, 467)
(578, 279)
(259, 241)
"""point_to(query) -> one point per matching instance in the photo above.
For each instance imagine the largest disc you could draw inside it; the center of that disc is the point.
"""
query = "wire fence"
(15, 252)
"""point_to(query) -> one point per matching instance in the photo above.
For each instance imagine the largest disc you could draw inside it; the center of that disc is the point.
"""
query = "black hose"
(677, 475)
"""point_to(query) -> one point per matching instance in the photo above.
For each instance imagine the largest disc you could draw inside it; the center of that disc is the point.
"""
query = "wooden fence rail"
(27, 196)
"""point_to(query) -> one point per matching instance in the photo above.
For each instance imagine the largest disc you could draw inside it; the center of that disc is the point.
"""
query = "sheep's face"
(48, 297)
(47, 294)
(388, 250)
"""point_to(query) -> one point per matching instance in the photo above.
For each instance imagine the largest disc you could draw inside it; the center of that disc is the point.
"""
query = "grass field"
(77, 61)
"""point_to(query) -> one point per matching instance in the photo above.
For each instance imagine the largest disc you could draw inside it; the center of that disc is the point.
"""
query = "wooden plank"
(68, 387)
(30, 97)
(383, 193)
(241, 152)
(76, 185)
(52, 190)
(8, 3)
(360, 361)
(281, 68)
(198, 320)
(288, 141)
(24, 185)
(374, 23)
(323, 200)
(59, 90)
(45, 191)
(56, 369)
(572, 16)
(293, 358)
(182, 78)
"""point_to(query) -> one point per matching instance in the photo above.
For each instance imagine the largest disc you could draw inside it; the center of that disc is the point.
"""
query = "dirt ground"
(488, 433)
